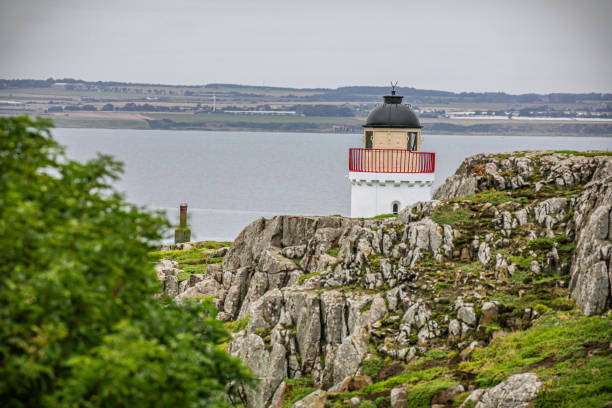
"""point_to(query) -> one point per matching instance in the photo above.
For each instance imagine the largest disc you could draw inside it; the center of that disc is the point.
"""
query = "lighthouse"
(390, 171)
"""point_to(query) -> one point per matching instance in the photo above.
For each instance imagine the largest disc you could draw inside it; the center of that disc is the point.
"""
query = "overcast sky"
(512, 46)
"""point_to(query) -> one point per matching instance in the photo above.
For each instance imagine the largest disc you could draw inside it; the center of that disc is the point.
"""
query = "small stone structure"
(182, 233)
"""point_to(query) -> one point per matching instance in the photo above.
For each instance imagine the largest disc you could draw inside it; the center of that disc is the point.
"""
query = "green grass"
(188, 257)
(308, 276)
(333, 252)
(521, 261)
(436, 354)
(237, 325)
(414, 376)
(419, 395)
(212, 244)
(562, 303)
(546, 243)
(446, 215)
(372, 367)
(297, 389)
(520, 303)
(183, 276)
(193, 260)
(554, 348)
(199, 269)
(489, 196)
(383, 216)
(366, 307)
(578, 384)
(585, 154)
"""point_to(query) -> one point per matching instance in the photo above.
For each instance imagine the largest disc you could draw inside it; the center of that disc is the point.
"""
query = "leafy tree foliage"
(79, 321)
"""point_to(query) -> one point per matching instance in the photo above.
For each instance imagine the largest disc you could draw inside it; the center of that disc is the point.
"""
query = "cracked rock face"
(320, 293)
(591, 273)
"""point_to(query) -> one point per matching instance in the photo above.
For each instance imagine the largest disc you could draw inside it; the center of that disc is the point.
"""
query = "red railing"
(391, 161)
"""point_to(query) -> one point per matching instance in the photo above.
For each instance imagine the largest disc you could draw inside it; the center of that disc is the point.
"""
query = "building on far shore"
(390, 172)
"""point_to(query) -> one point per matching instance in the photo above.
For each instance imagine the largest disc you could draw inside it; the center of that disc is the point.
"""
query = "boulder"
(590, 271)
(490, 313)
(466, 314)
(313, 400)
(269, 366)
(417, 315)
(398, 397)
(516, 392)
(484, 253)
(279, 395)
(352, 383)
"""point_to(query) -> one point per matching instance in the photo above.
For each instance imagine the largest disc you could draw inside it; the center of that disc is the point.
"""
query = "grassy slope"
(568, 351)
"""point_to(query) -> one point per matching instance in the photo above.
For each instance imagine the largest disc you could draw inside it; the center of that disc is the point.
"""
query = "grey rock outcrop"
(591, 271)
(590, 210)
(313, 400)
(398, 397)
(516, 392)
(321, 294)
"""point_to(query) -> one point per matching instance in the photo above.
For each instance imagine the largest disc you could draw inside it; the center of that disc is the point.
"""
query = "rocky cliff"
(392, 309)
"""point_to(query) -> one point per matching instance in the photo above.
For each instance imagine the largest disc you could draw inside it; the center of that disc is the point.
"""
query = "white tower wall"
(374, 193)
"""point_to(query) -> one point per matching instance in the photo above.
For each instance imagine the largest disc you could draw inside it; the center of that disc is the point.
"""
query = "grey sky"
(512, 46)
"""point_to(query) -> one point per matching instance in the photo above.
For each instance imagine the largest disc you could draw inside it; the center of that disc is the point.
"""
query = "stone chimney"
(182, 233)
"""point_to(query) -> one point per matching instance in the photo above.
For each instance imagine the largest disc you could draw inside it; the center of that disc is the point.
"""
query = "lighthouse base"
(383, 193)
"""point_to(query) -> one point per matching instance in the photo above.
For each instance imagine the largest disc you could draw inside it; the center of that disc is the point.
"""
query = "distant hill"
(345, 93)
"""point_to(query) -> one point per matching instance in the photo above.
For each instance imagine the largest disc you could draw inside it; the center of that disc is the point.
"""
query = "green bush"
(80, 323)
(383, 401)
(436, 354)
(586, 154)
(183, 276)
(420, 395)
(562, 303)
(447, 215)
(372, 367)
(521, 262)
(367, 404)
(489, 196)
(297, 389)
(546, 243)
(383, 216)
(237, 325)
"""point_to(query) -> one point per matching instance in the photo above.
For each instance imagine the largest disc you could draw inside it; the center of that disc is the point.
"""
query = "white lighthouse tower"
(390, 172)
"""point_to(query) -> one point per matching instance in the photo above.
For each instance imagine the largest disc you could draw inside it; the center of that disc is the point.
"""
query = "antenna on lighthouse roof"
(393, 86)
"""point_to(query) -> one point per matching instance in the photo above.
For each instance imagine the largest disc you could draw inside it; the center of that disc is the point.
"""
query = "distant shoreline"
(339, 133)
(321, 124)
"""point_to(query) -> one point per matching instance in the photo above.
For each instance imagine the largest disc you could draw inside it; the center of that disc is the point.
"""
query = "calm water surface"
(232, 178)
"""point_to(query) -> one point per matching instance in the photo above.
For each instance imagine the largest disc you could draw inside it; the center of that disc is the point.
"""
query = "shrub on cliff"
(79, 324)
